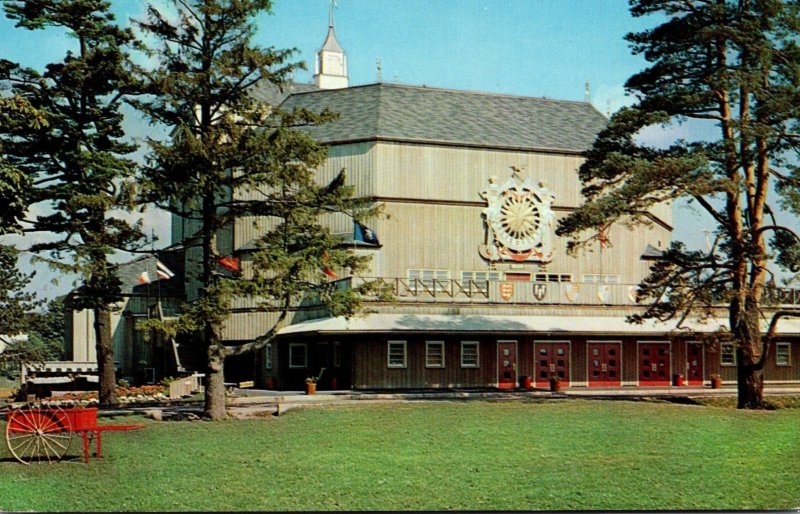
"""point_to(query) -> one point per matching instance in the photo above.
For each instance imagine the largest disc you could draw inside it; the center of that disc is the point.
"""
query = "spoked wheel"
(38, 434)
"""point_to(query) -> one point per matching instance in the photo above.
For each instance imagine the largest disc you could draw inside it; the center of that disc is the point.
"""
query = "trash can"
(677, 379)
(527, 382)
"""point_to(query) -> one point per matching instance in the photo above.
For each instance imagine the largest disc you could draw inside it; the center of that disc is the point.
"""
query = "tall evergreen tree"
(230, 156)
(734, 64)
(76, 160)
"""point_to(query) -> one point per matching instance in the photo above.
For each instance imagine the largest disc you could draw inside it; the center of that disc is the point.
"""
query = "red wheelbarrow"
(44, 433)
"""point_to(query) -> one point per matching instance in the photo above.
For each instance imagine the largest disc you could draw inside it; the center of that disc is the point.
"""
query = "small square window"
(397, 354)
(727, 356)
(469, 354)
(298, 355)
(783, 354)
(434, 354)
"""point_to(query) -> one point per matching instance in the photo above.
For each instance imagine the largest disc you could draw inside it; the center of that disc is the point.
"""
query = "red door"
(506, 364)
(654, 368)
(551, 360)
(604, 364)
(694, 364)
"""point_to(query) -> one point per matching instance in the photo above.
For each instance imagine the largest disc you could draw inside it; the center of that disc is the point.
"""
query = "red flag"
(326, 270)
(229, 263)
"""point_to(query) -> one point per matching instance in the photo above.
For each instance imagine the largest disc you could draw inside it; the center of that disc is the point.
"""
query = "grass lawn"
(556, 455)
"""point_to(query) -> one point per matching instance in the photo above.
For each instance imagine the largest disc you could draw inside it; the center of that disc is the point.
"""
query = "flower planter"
(311, 388)
(716, 382)
(555, 385)
(527, 383)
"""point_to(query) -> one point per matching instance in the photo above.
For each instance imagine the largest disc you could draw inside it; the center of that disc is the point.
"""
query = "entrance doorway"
(551, 359)
(654, 364)
(604, 364)
(694, 364)
(506, 364)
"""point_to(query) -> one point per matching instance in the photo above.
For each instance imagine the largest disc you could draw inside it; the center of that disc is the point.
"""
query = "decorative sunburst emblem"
(519, 216)
(519, 220)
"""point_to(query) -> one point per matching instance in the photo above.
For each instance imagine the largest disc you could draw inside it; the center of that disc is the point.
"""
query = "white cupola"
(330, 69)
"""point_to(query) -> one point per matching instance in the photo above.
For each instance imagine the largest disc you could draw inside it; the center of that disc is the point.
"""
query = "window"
(783, 354)
(434, 354)
(397, 354)
(469, 354)
(268, 357)
(425, 279)
(601, 279)
(727, 357)
(480, 278)
(298, 355)
(552, 277)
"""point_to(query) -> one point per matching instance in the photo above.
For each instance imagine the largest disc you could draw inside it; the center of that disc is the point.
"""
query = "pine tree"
(734, 64)
(76, 160)
(229, 157)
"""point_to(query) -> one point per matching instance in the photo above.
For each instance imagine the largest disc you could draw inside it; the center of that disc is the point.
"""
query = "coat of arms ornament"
(519, 220)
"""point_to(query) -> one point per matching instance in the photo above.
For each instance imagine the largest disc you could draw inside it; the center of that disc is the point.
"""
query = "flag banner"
(330, 273)
(229, 263)
(364, 234)
(327, 270)
(144, 278)
(164, 273)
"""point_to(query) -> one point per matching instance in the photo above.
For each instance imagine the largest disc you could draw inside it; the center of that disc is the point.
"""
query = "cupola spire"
(330, 70)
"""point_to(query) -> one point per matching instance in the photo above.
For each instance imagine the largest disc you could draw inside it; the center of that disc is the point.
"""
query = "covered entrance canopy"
(585, 325)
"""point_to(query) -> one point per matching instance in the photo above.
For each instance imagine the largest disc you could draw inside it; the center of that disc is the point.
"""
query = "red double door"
(654, 364)
(604, 364)
(551, 360)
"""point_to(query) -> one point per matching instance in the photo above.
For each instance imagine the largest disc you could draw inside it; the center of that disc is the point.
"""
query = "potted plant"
(716, 381)
(311, 385)
(555, 384)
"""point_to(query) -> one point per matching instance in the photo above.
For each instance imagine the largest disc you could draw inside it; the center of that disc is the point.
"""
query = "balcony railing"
(559, 293)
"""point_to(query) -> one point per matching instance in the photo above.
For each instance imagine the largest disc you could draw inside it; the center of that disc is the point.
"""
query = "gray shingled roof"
(413, 113)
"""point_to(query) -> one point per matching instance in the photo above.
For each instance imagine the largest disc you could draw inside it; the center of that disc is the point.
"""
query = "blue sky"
(547, 48)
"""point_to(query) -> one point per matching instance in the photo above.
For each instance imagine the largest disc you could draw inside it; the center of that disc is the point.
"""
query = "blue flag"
(364, 234)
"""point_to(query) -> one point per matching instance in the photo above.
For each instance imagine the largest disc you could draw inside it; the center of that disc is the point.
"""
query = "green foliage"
(73, 153)
(15, 302)
(437, 456)
(230, 157)
(49, 326)
(734, 66)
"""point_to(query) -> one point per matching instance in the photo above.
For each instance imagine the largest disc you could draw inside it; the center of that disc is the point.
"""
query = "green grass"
(559, 455)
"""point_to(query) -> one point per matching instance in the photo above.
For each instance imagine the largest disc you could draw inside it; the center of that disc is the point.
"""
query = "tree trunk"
(105, 356)
(750, 383)
(215, 382)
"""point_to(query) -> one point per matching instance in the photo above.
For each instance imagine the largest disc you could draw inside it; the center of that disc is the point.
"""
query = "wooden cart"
(36, 433)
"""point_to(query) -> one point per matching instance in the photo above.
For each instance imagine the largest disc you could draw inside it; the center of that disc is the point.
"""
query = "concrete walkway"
(249, 403)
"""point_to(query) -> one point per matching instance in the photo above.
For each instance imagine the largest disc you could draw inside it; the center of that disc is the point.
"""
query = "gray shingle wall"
(391, 111)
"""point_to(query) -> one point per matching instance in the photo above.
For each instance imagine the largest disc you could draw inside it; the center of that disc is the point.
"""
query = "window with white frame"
(727, 355)
(552, 277)
(298, 355)
(783, 355)
(434, 354)
(397, 354)
(268, 357)
(595, 278)
(426, 278)
(481, 279)
(470, 355)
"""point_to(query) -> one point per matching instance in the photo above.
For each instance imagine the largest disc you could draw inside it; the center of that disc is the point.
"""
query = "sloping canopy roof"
(430, 115)
(599, 325)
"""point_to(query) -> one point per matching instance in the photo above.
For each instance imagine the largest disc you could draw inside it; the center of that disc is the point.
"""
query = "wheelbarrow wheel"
(38, 434)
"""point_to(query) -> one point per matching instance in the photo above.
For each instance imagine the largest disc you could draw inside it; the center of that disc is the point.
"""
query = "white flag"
(163, 272)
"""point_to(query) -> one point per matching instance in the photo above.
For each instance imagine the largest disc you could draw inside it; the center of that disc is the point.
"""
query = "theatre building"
(472, 186)
(485, 294)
